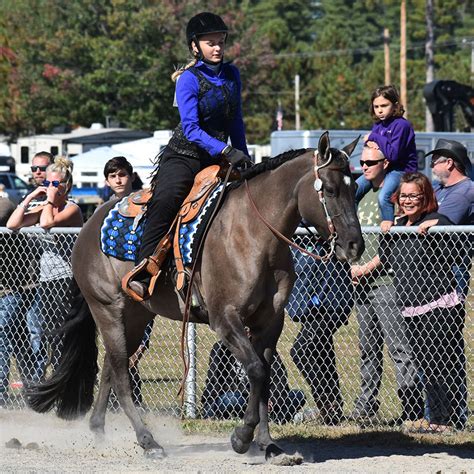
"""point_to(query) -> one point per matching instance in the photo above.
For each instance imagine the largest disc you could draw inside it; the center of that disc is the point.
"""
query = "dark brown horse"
(245, 275)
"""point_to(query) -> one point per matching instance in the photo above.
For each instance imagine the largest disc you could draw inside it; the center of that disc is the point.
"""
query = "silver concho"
(318, 184)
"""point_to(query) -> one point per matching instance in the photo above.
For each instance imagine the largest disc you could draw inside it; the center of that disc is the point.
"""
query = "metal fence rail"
(366, 363)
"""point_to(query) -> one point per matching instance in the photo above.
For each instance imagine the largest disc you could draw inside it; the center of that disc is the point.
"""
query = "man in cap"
(454, 191)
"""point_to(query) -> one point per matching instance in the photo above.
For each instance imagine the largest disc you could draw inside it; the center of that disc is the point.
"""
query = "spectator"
(6, 206)
(455, 195)
(55, 271)
(39, 164)
(379, 317)
(17, 290)
(394, 136)
(322, 300)
(227, 389)
(24, 303)
(427, 297)
(454, 192)
(120, 178)
(3, 194)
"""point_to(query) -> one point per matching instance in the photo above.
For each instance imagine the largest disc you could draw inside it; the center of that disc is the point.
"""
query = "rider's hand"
(237, 157)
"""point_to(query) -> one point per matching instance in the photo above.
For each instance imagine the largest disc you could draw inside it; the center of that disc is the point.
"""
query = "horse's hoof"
(238, 445)
(272, 451)
(156, 454)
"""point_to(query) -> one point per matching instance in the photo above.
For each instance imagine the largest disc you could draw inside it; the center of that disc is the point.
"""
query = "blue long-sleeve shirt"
(187, 98)
(396, 140)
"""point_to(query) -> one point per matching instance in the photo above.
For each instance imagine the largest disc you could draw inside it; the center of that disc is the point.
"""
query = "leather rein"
(319, 188)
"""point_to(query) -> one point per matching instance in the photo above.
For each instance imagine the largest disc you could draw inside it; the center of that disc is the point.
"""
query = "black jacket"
(421, 263)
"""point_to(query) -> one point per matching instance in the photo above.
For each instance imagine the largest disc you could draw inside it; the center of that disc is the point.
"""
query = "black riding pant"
(173, 183)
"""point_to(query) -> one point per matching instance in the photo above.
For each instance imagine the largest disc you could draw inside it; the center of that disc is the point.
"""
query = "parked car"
(15, 187)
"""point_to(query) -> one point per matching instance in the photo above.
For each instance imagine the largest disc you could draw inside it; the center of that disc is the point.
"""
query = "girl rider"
(209, 104)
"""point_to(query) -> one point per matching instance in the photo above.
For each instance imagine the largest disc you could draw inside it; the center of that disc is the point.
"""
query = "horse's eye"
(329, 191)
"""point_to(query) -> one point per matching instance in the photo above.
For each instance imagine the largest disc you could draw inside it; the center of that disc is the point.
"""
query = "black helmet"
(204, 23)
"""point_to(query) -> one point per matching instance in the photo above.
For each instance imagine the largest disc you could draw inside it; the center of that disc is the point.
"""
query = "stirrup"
(148, 265)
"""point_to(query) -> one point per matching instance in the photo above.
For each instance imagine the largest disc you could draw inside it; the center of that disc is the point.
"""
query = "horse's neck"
(275, 195)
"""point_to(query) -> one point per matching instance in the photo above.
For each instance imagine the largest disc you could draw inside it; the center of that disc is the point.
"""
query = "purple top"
(187, 97)
(396, 140)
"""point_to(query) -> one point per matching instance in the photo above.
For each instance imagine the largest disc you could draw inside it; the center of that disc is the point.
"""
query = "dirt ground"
(59, 446)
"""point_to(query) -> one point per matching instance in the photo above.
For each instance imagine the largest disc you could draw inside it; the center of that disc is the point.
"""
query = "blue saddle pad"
(190, 233)
(120, 237)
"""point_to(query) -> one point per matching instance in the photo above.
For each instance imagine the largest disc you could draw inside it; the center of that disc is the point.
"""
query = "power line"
(371, 49)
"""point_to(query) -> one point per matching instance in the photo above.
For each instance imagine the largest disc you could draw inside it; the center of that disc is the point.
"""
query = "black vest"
(217, 106)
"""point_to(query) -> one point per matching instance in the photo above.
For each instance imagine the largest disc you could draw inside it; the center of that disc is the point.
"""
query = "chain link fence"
(347, 352)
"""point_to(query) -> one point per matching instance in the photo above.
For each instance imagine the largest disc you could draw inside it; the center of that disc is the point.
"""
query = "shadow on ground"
(375, 444)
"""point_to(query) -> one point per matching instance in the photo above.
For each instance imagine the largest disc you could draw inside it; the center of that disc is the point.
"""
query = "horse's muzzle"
(350, 251)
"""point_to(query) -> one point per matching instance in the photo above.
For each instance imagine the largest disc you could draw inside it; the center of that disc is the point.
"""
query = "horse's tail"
(71, 386)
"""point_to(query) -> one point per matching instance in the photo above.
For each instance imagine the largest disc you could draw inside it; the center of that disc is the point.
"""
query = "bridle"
(319, 188)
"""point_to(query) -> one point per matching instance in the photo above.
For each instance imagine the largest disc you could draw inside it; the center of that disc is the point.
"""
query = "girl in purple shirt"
(394, 136)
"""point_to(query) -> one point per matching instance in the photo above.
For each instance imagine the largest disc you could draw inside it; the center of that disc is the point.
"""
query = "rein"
(187, 304)
(318, 186)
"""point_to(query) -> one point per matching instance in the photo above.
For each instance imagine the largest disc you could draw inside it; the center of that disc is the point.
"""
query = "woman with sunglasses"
(426, 295)
(48, 206)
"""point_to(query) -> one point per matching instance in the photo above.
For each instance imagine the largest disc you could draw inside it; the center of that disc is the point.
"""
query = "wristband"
(49, 202)
(23, 205)
(226, 150)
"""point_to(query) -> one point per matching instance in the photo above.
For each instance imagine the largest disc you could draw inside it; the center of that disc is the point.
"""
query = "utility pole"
(386, 50)
(297, 102)
(429, 57)
(403, 56)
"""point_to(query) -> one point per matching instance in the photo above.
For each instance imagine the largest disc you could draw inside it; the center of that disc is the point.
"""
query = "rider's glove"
(237, 157)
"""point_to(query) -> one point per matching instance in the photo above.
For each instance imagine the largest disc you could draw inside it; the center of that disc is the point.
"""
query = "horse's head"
(332, 187)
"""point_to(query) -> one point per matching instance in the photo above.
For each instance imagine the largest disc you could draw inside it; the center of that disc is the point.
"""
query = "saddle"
(204, 183)
(135, 204)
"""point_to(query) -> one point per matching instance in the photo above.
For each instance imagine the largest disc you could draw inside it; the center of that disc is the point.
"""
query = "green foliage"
(74, 63)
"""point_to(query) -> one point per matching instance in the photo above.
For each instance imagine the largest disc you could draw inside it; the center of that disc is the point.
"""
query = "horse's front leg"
(232, 332)
(265, 345)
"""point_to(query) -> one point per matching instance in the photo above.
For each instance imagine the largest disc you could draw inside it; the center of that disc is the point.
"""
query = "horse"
(244, 273)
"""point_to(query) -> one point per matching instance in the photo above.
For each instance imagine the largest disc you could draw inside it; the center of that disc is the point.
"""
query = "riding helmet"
(203, 24)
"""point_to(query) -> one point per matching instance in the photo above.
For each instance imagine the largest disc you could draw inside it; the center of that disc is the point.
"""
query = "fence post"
(191, 403)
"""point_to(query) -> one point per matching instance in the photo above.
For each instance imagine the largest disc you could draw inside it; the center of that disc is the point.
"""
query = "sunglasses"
(38, 168)
(54, 183)
(370, 162)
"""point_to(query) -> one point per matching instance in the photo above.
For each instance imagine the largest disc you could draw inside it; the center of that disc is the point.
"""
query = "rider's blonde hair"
(180, 71)
(64, 167)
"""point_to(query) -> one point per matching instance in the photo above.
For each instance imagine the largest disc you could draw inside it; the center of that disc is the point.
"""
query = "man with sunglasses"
(379, 320)
(39, 164)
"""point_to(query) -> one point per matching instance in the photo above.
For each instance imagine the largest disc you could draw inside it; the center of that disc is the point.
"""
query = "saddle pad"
(120, 237)
(190, 233)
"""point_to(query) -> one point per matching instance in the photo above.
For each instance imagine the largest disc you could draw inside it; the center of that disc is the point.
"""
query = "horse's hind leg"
(97, 419)
(113, 333)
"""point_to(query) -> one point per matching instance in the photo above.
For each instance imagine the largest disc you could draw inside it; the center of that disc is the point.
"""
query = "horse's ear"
(323, 146)
(350, 148)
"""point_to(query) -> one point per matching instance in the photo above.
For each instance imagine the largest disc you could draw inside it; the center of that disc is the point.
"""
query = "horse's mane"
(272, 163)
